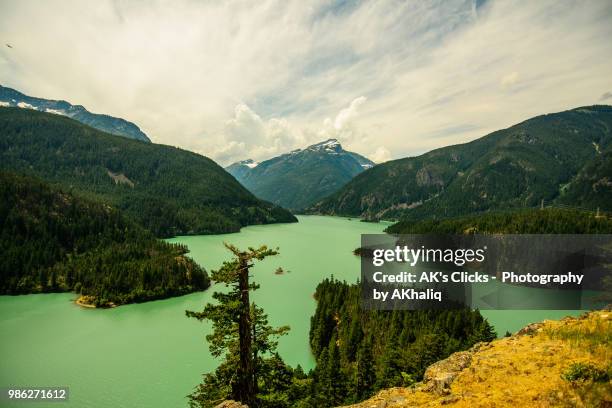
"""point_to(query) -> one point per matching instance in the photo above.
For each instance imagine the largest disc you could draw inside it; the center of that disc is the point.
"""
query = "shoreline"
(80, 301)
(84, 301)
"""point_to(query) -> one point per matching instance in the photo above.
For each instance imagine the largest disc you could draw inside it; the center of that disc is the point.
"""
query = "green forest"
(357, 352)
(542, 221)
(53, 241)
(169, 191)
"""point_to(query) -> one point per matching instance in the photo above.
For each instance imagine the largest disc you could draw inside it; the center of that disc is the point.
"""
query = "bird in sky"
(9, 45)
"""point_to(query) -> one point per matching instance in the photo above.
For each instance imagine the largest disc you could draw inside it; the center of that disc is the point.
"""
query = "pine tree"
(240, 331)
(366, 376)
(335, 375)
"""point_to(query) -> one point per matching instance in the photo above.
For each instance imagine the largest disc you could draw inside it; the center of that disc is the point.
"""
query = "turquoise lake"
(150, 354)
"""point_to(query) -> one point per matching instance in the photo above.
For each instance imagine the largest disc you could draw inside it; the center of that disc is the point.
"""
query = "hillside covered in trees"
(545, 221)
(359, 352)
(561, 157)
(53, 241)
(167, 190)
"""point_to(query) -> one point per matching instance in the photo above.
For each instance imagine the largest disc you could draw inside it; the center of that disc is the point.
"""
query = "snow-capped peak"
(250, 163)
(330, 146)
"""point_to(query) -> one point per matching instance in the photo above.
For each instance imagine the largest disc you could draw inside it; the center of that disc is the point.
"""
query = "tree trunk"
(254, 339)
(245, 391)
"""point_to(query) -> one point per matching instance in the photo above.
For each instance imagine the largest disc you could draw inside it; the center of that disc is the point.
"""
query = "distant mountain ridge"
(11, 98)
(240, 169)
(299, 178)
(562, 157)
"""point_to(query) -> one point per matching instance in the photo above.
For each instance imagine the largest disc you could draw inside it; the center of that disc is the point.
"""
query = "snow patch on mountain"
(117, 126)
(26, 105)
(55, 112)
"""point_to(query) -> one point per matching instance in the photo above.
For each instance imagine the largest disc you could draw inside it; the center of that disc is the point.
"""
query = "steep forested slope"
(52, 241)
(546, 221)
(167, 190)
(360, 351)
(592, 187)
(542, 158)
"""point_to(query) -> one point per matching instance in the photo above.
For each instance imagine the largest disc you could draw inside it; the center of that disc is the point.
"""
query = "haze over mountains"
(11, 98)
(563, 157)
(299, 178)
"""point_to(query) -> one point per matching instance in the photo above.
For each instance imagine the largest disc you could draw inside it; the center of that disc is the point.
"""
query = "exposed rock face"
(530, 329)
(425, 177)
(231, 404)
(439, 376)
(524, 370)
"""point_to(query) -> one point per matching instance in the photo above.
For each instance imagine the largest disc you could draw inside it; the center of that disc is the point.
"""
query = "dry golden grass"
(525, 370)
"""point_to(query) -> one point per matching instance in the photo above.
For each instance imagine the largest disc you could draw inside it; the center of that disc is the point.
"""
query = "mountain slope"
(106, 123)
(526, 221)
(52, 241)
(515, 167)
(562, 363)
(241, 169)
(301, 177)
(592, 187)
(167, 190)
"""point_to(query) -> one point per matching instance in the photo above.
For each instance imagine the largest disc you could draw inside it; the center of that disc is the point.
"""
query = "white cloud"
(241, 79)
(248, 135)
(345, 115)
(380, 155)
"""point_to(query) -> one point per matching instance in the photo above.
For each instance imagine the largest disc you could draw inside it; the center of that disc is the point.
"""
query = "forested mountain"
(299, 178)
(106, 123)
(52, 241)
(167, 190)
(562, 156)
(592, 187)
(529, 221)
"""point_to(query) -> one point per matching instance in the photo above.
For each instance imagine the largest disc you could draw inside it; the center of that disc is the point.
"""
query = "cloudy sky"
(251, 79)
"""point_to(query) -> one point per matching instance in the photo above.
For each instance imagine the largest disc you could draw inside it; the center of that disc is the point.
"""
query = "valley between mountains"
(92, 210)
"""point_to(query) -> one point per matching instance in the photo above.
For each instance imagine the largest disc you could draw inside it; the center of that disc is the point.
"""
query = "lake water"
(151, 355)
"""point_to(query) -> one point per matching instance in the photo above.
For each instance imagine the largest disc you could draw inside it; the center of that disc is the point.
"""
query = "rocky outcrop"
(231, 404)
(528, 369)
(439, 376)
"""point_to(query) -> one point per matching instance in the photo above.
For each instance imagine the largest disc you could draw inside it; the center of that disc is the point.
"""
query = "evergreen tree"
(335, 375)
(241, 332)
(366, 376)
